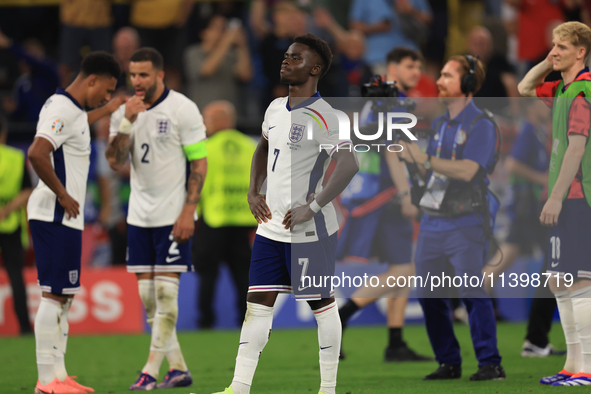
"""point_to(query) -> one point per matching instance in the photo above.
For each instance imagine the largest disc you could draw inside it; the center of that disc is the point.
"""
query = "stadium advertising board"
(107, 303)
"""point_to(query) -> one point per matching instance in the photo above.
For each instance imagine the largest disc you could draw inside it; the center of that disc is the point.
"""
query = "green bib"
(224, 199)
(560, 114)
(12, 165)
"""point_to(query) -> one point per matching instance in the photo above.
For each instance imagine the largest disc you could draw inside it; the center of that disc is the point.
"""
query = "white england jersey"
(296, 166)
(158, 162)
(64, 123)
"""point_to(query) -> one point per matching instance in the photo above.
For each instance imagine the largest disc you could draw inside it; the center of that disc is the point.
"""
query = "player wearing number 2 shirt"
(162, 130)
(297, 223)
(568, 209)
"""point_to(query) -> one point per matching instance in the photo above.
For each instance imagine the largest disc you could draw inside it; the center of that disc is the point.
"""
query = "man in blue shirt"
(461, 152)
(380, 23)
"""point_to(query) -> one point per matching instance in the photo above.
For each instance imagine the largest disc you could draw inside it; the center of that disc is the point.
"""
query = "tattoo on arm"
(195, 183)
(119, 149)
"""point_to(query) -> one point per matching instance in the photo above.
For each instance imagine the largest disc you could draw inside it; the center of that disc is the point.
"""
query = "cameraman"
(372, 221)
(457, 159)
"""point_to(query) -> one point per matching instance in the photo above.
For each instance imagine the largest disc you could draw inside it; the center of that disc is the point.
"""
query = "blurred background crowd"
(232, 50)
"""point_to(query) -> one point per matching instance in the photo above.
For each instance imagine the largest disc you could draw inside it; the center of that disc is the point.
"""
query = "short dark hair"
(398, 54)
(320, 47)
(148, 54)
(100, 63)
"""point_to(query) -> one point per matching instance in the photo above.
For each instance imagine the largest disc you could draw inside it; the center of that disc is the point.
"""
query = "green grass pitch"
(289, 363)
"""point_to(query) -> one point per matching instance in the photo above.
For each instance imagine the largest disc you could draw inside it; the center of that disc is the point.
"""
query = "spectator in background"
(527, 165)
(111, 215)
(378, 21)
(217, 66)
(83, 23)
(288, 22)
(500, 78)
(259, 22)
(225, 212)
(350, 47)
(15, 189)
(125, 43)
(415, 16)
(159, 24)
(38, 80)
(534, 17)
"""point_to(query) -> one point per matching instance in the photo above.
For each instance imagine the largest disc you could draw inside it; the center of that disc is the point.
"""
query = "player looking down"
(60, 156)
(161, 129)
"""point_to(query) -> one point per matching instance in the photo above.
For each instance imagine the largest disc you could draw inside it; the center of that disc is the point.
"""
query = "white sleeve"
(116, 118)
(55, 126)
(265, 128)
(191, 127)
(328, 139)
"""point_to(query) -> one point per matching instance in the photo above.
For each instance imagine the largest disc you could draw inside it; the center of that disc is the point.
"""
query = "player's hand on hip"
(259, 208)
(71, 206)
(133, 107)
(183, 228)
(299, 214)
(550, 212)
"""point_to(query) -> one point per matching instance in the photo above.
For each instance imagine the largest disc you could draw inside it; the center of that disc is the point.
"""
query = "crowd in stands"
(231, 50)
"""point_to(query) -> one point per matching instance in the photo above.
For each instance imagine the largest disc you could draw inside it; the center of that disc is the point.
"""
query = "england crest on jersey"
(73, 276)
(296, 133)
(162, 125)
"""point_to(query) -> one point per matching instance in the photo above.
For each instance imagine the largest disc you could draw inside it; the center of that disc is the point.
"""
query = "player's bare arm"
(535, 77)
(346, 168)
(185, 224)
(258, 174)
(106, 109)
(568, 170)
(118, 150)
(40, 157)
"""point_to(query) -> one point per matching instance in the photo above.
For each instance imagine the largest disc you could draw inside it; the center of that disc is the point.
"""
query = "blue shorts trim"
(154, 250)
(58, 250)
(280, 266)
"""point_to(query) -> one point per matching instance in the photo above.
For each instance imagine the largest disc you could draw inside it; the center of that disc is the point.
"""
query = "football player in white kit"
(60, 155)
(297, 229)
(162, 129)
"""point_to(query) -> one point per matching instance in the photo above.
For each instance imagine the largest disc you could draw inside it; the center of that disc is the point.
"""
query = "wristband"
(125, 126)
(403, 194)
(315, 207)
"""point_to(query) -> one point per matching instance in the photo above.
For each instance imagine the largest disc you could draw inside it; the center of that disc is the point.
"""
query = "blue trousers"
(463, 250)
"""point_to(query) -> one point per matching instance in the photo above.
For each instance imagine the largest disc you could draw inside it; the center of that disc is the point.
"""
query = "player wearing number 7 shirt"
(162, 130)
(297, 229)
(568, 209)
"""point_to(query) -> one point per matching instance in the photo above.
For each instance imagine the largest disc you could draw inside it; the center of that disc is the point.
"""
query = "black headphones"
(469, 82)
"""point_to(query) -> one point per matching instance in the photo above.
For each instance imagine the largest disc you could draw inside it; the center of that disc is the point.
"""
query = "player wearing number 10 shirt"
(162, 130)
(297, 223)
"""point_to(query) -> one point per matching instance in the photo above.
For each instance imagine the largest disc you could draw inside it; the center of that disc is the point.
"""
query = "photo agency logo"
(378, 135)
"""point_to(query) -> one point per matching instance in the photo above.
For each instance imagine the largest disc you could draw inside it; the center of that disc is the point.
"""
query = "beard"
(150, 92)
